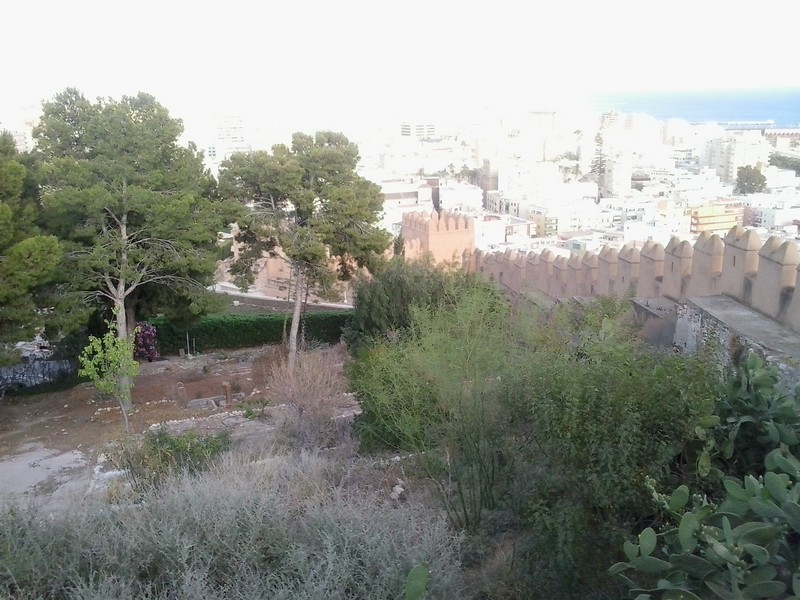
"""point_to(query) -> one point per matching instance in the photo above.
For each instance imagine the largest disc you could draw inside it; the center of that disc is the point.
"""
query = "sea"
(779, 107)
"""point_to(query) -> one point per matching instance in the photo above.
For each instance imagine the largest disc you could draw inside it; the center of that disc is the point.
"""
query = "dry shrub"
(309, 406)
(270, 358)
(278, 528)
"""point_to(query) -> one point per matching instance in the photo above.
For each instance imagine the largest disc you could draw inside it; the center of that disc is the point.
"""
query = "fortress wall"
(792, 320)
(678, 256)
(445, 236)
(627, 270)
(607, 262)
(761, 276)
(651, 271)
(776, 278)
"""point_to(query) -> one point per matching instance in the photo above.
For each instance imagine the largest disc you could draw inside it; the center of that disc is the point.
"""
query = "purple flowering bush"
(146, 343)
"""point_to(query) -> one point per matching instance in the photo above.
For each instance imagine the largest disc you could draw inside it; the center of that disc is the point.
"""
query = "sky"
(311, 64)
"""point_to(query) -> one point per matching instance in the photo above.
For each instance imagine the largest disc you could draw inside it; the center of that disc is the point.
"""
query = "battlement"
(444, 236)
(760, 275)
(436, 222)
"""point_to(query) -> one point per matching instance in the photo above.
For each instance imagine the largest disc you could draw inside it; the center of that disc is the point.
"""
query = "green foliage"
(755, 417)
(310, 203)
(28, 260)
(130, 203)
(416, 583)
(748, 546)
(598, 410)
(383, 303)
(551, 419)
(147, 464)
(785, 162)
(598, 166)
(436, 392)
(106, 359)
(752, 417)
(398, 409)
(741, 540)
(398, 246)
(241, 331)
(109, 364)
(749, 180)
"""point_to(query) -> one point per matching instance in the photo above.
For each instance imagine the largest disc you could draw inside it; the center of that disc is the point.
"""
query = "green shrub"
(242, 331)
(749, 545)
(755, 417)
(283, 528)
(549, 421)
(147, 463)
(597, 410)
(435, 392)
(383, 303)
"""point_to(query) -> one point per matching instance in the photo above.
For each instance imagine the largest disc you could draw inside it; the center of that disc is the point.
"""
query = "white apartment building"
(697, 188)
(21, 125)
(23, 139)
(410, 156)
(617, 177)
(230, 136)
(541, 199)
(645, 133)
(775, 217)
(779, 180)
(493, 232)
(737, 149)
(772, 211)
(401, 196)
(455, 196)
(555, 219)
(535, 180)
(420, 130)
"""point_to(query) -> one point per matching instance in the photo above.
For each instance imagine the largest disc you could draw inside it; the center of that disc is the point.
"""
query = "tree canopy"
(785, 162)
(749, 180)
(28, 259)
(308, 201)
(131, 204)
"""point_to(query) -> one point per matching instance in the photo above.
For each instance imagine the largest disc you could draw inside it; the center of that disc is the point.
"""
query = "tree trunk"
(298, 302)
(130, 310)
(124, 383)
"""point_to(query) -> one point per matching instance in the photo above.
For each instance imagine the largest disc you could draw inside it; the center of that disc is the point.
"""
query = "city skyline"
(311, 65)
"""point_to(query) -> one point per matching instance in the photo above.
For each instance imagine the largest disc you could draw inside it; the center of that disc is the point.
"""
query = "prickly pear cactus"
(746, 547)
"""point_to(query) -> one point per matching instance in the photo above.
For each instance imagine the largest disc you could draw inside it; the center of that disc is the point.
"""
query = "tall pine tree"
(308, 201)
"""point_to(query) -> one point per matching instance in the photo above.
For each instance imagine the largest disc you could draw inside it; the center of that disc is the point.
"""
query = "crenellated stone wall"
(444, 236)
(760, 275)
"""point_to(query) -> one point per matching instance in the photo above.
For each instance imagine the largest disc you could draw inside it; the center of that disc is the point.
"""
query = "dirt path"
(52, 445)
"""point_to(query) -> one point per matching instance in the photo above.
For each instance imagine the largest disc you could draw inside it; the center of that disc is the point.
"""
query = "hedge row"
(242, 331)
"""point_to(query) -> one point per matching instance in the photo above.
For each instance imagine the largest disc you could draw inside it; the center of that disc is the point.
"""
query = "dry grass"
(270, 358)
(308, 405)
(282, 527)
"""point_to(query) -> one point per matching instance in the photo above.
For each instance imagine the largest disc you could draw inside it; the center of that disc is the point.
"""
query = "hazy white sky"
(303, 64)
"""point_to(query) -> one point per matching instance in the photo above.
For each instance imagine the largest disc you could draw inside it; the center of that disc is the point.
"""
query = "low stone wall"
(732, 331)
(35, 373)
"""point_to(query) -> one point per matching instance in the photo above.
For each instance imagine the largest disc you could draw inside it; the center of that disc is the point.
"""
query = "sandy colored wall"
(762, 275)
(444, 236)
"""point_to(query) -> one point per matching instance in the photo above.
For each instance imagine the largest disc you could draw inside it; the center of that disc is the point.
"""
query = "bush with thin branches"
(310, 404)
